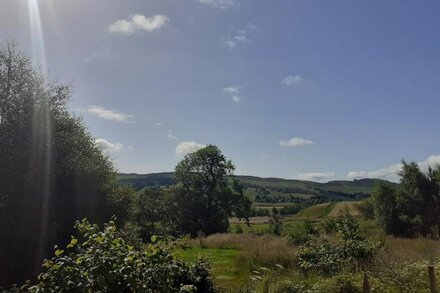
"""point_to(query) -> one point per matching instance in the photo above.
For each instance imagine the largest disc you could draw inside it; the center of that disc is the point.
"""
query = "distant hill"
(273, 190)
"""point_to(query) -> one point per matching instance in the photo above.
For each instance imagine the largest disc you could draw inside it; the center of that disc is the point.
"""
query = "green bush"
(319, 256)
(101, 261)
(351, 249)
(328, 225)
(298, 234)
(343, 283)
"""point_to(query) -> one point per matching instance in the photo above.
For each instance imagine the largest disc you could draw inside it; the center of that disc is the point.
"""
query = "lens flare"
(37, 37)
(41, 154)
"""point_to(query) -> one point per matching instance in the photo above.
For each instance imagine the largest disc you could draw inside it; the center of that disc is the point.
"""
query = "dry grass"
(400, 250)
(263, 250)
(340, 207)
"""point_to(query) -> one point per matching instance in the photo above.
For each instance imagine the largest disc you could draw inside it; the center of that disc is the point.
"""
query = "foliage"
(366, 208)
(101, 261)
(121, 200)
(300, 233)
(51, 170)
(149, 213)
(203, 197)
(275, 224)
(351, 249)
(413, 208)
(328, 225)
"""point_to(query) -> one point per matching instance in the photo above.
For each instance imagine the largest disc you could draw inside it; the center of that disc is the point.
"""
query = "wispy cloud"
(158, 124)
(295, 142)
(109, 146)
(234, 91)
(101, 53)
(239, 38)
(106, 114)
(390, 172)
(138, 23)
(220, 4)
(171, 135)
(315, 176)
(186, 147)
(295, 80)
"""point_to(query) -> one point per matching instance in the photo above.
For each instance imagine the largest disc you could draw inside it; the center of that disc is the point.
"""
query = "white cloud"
(239, 38)
(105, 114)
(235, 89)
(295, 80)
(171, 135)
(390, 172)
(295, 141)
(137, 23)
(109, 146)
(236, 98)
(220, 4)
(186, 147)
(251, 26)
(315, 176)
(158, 124)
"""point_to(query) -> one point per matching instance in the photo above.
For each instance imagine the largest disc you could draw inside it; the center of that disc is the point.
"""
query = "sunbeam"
(37, 36)
(41, 156)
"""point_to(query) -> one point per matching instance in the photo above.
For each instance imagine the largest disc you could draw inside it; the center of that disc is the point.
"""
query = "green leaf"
(58, 252)
(72, 243)
(153, 238)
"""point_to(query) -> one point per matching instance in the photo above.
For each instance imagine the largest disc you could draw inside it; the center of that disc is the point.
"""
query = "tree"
(51, 171)
(149, 213)
(205, 194)
(275, 223)
(411, 209)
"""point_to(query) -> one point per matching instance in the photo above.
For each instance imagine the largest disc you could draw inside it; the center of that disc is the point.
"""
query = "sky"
(314, 90)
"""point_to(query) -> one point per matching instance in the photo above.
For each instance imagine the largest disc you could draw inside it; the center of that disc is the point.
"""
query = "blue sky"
(316, 90)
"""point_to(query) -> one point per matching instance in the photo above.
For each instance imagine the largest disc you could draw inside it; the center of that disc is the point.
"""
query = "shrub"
(343, 283)
(101, 261)
(319, 256)
(328, 225)
(298, 234)
(351, 248)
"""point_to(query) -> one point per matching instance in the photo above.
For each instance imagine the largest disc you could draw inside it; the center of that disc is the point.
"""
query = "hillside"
(273, 190)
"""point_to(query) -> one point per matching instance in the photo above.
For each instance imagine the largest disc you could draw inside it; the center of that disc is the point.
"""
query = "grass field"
(227, 266)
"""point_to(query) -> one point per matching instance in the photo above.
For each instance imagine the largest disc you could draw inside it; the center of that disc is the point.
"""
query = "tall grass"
(262, 250)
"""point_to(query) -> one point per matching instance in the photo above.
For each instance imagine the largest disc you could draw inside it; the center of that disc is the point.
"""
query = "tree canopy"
(205, 194)
(51, 171)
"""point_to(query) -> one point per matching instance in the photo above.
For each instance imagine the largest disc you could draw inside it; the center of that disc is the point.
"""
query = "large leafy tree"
(413, 208)
(51, 171)
(205, 194)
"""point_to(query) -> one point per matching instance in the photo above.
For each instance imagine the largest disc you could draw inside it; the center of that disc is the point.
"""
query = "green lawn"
(228, 268)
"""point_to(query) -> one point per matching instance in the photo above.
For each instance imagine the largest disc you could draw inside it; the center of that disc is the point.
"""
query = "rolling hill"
(273, 190)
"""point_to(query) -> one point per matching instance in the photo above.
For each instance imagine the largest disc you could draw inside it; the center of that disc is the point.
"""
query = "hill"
(273, 190)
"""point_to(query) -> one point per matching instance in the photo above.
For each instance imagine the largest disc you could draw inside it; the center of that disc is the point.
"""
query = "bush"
(328, 225)
(101, 261)
(344, 283)
(320, 257)
(366, 209)
(298, 234)
(351, 248)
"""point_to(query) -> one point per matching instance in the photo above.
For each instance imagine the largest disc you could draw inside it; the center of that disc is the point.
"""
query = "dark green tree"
(411, 209)
(205, 194)
(51, 171)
